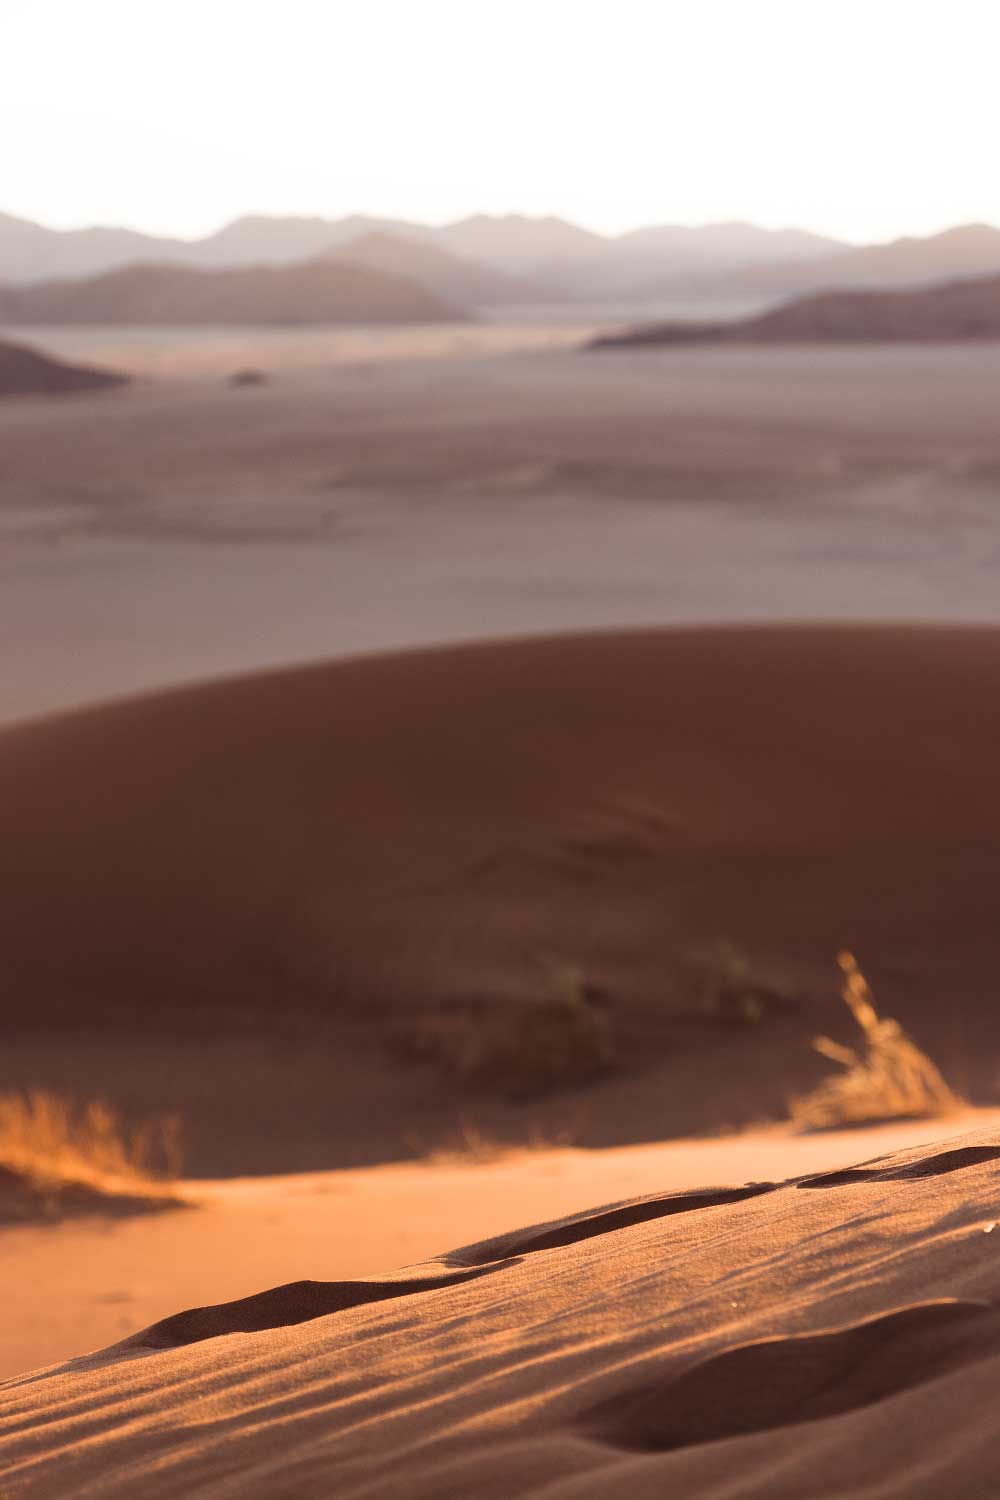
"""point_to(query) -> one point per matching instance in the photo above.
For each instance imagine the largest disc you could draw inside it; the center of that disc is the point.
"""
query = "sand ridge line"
(930, 1166)
(301, 1301)
(284, 1306)
(571, 1230)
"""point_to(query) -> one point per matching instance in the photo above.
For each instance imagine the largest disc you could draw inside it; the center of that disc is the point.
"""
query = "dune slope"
(25, 372)
(375, 857)
(835, 1334)
(93, 1272)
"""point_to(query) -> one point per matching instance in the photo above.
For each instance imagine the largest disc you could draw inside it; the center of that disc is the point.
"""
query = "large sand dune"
(371, 859)
(832, 1334)
(93, 1271)
(26, 372)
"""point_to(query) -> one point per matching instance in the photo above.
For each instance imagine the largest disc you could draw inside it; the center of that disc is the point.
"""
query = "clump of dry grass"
(729, 986)
(524, 1045)
(51, 1148)
(888, 1079)
(473, 1147)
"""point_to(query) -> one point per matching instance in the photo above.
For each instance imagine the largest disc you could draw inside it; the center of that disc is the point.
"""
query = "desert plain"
(443, 775)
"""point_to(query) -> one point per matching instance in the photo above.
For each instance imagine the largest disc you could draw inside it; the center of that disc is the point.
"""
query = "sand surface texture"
(89, 1279)
(832, 1334)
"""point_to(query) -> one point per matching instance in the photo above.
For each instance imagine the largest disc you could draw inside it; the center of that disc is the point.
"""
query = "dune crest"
(752, 1346)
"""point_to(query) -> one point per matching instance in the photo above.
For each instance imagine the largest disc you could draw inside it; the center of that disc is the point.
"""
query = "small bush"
(889, 1078)
(521, 1046)
(728, 986)
(472, 1147)
(47, 1144)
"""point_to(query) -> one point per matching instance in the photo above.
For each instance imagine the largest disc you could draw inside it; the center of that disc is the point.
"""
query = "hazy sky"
(863, 118)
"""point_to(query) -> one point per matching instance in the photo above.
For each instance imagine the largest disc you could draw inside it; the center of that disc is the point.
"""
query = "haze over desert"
(499, 729)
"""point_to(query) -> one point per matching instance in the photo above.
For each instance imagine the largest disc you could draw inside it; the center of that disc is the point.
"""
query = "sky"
(865, 119)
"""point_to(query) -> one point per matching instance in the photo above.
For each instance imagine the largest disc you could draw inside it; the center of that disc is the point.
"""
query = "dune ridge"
(837, 1341)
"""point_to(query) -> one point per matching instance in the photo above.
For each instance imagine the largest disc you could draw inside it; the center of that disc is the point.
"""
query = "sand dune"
(91, 1274)
(25, 372)
(827, 1334)
(539, 850)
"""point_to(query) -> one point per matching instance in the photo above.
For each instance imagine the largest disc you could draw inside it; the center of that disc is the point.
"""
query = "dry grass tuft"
(730, 986)
(559, 1038)
(889, 1079)
(52, 1151)
(473, 1147)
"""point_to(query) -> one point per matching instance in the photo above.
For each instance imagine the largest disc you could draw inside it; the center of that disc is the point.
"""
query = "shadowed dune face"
(927, 1166)
(285, 1306)
(339, 851)
(25, 372)
(570, 1231)
(781, 1382)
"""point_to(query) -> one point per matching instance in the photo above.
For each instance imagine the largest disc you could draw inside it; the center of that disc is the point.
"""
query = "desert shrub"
(560, 1037)
(472, 1146)
(887, 1078)
(729, 986)
(47, 1140)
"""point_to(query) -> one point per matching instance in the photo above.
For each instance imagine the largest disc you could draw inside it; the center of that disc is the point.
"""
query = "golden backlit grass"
(474, 1147)
(887, 1078)
(49, 1145)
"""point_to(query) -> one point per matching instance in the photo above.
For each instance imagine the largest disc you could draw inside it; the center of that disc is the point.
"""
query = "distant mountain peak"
(305, 293)
(444, 271)
(523, 257)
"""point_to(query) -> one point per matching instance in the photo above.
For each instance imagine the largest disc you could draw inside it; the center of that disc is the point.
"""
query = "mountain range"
(326, 290)
(967, 250)
(486, 260)
(454, 277)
